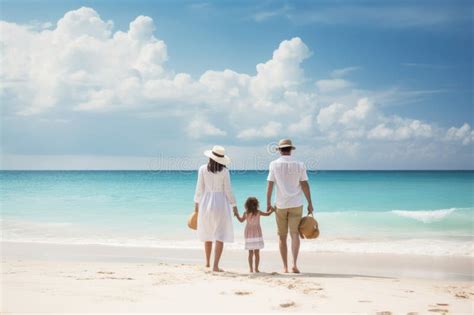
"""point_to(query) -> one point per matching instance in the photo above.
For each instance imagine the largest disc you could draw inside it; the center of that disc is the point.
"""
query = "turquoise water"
(373, 211)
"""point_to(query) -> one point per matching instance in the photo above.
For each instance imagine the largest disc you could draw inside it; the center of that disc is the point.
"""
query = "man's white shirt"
(287, 173)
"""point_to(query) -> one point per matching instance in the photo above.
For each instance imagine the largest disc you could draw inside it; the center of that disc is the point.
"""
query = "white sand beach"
(47, 278)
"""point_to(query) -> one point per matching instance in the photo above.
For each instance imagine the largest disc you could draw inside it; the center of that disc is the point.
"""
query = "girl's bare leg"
(217, 255)
(251, 260)
(208, 250)
(257, 259)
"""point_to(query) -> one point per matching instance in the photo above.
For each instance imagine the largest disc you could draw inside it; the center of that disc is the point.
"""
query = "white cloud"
(404, 130)
(282, 72)
(265, 15)
(364, 120)
(272, 129)
(200, 127)
(360, 112)
(331, 85)
(339, 73)
(329, 115)
(84, 65)
(463, 134)
(302, 126)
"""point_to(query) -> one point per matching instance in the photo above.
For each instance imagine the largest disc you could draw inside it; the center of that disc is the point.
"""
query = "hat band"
(218, 155)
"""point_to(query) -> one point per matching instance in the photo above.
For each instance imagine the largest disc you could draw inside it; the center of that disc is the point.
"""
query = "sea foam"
(425, 216)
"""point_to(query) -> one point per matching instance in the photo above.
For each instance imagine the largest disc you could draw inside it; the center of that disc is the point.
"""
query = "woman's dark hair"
(251, 205)
(214, 167)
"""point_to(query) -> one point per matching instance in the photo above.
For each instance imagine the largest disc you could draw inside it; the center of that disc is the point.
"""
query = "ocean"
(401, 212)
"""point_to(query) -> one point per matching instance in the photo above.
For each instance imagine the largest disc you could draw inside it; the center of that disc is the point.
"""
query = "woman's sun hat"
(285, 143)
(218, 154)
(308, 227)
(193, 220)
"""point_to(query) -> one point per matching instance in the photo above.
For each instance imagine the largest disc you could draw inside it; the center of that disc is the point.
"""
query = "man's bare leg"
(295, 249)
(208, 250)
(217, 255)
(284, 252)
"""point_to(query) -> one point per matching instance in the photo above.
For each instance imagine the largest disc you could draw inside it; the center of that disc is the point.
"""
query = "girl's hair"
(251, 205)
(214, 167)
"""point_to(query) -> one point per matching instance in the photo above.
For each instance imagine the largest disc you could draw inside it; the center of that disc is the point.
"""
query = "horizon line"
(250, 170)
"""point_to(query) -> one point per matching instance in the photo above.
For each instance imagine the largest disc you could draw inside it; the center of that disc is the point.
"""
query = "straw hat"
(193, 220)
(218, 154)
(285, 143)
(308, 227)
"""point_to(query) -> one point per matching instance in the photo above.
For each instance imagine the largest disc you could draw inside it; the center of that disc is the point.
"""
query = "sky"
(152, 84)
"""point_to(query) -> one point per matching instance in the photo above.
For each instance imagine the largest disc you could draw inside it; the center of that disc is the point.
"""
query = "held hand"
(310, 208)
(235, 210)
(269, 207)
(196, 207)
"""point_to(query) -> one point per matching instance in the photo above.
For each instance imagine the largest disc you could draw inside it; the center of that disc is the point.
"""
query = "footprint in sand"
(438, 310)
(106, 272)
(384, 313)
(117, 278)
(288, 304)
(242, 293)
(442, 304)
(311, 290)
(462, 295)
(364, 301)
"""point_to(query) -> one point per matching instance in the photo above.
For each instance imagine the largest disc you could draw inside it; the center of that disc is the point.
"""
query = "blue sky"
(372, 85)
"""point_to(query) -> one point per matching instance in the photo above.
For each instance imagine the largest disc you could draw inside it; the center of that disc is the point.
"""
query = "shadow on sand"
(277, 275)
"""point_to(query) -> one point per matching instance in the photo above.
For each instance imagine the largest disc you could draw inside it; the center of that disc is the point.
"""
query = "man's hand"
(196, 207)
(310, 208)
(269, 207)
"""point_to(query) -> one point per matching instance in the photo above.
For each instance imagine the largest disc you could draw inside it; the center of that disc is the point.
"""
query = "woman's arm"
(228, 189)
(199, 191)
(240, 218)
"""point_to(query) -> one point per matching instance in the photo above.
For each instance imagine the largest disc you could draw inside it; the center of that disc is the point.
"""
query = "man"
(291, 180)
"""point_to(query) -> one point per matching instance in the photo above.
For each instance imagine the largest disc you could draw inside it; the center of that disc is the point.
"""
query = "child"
(253, 231)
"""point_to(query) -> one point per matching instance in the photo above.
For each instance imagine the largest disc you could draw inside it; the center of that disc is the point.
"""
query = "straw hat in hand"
(193, 220)
(308, 227)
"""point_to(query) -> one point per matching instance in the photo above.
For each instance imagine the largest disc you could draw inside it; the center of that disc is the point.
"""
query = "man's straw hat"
(285, 143)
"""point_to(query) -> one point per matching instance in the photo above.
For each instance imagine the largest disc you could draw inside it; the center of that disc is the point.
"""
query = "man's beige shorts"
(289, 217)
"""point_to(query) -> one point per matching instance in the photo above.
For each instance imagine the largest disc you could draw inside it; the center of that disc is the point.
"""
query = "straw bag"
(308, 227)
(193, 220)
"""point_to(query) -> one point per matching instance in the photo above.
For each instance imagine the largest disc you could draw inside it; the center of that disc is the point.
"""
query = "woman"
(213, 201)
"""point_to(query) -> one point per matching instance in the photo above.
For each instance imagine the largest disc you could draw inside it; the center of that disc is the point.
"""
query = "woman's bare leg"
(208, 250)
(257, 259)
(251, 260)
(217, 255)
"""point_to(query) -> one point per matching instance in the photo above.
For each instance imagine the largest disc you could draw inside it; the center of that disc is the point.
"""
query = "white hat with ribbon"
(218, 154)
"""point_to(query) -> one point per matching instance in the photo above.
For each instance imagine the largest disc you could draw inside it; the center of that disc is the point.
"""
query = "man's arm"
(307, 194)
(269, 194)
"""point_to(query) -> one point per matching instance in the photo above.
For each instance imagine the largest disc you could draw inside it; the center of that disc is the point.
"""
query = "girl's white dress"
(215, 198)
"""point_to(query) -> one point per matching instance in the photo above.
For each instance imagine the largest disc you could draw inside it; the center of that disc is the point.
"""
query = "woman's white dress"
(215, 198)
